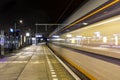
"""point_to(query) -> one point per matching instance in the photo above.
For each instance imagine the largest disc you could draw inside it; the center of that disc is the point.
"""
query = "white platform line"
(53, 74)
(66, 67)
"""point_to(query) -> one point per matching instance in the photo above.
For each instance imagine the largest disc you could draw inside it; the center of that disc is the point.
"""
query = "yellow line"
(77, 67)
(104, 7)
(80, 69)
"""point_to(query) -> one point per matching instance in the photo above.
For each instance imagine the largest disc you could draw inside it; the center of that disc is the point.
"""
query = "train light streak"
(69, 35)
(97, 34)
(107, 21)
(104, 39)
(55, 36)
(73, 40)
(85, 23)
(78, 36)
(116, 40)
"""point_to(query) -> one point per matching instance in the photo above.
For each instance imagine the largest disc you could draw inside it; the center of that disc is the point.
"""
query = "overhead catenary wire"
(67, 7)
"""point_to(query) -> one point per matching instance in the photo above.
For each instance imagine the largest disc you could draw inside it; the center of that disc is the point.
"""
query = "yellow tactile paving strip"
(56, 70)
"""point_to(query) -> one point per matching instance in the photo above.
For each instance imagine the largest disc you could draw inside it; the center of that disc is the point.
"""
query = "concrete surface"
(32, 63)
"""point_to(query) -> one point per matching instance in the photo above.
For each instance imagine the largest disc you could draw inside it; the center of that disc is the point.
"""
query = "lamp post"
(2, 43)
(36, 34)
(16, 42)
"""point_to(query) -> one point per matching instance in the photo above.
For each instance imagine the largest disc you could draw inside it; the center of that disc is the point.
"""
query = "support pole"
(36, 35)
(2, 42)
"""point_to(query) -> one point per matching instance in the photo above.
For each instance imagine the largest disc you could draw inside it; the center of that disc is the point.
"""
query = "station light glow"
(21, 40)
(41, 39)
(104, 39)
(97, 34)
(27, 34)
(11, 30)
(33, 38)
(73, 40)
(24, 39)
(38, 35)
(48, 39)
(78, 36)
(69, 35)
(116, 40)
(85, 23)
(55, 36)
(21, 21)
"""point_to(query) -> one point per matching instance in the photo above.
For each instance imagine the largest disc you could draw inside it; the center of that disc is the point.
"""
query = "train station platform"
(35, 62)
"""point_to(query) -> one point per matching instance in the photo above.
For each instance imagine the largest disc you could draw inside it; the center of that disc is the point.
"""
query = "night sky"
(29, 11)
(35, 11)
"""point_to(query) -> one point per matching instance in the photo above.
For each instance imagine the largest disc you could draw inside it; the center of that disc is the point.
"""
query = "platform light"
(33, 38)
(48, 39)
(69, 35)
(38, 35)
(21, 40)
(55, 36)
(27, 34)
(85, 23)
(21, 21)
(24, 39)
(41, 39)
(11, 30)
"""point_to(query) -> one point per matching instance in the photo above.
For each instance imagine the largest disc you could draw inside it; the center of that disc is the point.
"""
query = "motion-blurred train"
(93, 50)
